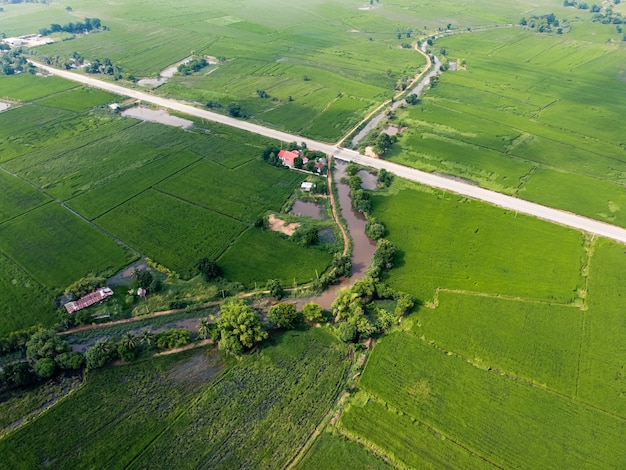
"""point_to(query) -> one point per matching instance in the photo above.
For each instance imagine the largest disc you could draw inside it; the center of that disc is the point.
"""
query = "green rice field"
(86, 191)
(529, 114)
(481, 375)
(190, 410)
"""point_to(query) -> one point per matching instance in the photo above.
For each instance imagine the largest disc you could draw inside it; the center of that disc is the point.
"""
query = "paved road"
(455, 186)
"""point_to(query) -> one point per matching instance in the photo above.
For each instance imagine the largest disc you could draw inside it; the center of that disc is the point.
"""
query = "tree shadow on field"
(398, 259)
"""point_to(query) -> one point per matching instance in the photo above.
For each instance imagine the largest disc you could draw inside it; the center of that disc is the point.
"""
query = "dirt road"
(458, 187)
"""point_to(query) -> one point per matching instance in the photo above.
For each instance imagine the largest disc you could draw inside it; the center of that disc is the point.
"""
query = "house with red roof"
(89, 300)
(288, 157)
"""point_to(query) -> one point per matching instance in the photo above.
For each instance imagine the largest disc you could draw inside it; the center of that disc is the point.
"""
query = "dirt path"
(379, 110)
(333, 205)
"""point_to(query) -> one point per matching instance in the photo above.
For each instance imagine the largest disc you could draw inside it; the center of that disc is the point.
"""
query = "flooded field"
(160, 116)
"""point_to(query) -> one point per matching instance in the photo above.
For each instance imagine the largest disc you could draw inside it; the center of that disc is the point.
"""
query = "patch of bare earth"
(279, 225)
(370, 152)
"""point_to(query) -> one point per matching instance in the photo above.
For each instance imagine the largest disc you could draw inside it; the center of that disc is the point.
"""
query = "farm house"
(89, 300)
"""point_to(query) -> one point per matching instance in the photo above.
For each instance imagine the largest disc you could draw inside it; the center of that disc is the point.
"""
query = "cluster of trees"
(270, 155)
(46, 353)
(194, 65)
(147, 281)
(86, 26)
(235, 110)
(13, 62)
(545, 24)
(208, 268)
(104, 67)
(16, 340)
(412, 99)
(361, 199)
(358, 313)
(84, 286)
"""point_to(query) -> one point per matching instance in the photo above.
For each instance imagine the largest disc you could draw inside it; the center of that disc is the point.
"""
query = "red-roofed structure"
(89, 300)
(288, 157)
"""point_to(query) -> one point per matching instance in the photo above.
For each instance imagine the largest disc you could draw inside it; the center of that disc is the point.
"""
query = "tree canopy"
(239, 326)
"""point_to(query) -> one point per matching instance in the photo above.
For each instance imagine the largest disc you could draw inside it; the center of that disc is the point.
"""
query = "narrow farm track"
(458, 187)
(333, 205)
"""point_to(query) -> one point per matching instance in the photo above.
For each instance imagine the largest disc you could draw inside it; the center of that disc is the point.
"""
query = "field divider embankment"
(200, 206)
(391, 458)
(152, 186)
(513, 377)
(561, 217)
(514, 298)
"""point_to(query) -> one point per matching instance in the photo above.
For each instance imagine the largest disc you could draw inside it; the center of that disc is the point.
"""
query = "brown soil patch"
(279, 225)
(370, 152)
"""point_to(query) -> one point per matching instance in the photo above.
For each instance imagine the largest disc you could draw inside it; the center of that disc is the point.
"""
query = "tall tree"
(238, 323)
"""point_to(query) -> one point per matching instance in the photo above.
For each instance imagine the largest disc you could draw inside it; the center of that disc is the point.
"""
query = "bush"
(45, 367)
(70, 360)
(312, 312)
(346, 332)
(375, 229)
(276, 289)
(283, 315)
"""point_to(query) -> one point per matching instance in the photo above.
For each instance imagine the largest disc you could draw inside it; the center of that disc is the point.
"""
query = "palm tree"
(129, 341)
(204, 327)
(147, 337)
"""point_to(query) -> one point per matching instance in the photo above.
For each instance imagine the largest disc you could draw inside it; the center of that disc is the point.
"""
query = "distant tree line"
(546, 24)
(86, 26)
(13, 62)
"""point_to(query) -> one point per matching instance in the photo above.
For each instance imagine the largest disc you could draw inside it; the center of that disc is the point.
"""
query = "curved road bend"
(507, 202)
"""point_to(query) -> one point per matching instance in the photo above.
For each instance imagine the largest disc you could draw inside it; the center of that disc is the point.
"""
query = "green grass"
(79, 100)
(536, 341)
(261, 255)
(20, 404)
(171, 411)
(245, 193)
(172, 232)
(502, 420)
(446, 241)
(602, 365)
(334, 452)
(57, 247)
(24, 302)
(116, 191)
(405, 441)
(25, 87)
(17, 197)
(530, 116)
(259, 414)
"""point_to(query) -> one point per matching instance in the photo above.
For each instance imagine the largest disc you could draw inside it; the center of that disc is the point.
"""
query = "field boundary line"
(73, 149)
(380, 452)
(435, 302)
(543, 136)
(225, 372)
(143, 190)
(514, 377)
(200, 206)
(590, 247)
(340, 395)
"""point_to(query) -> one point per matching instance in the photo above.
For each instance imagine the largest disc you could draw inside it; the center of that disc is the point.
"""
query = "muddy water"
(308, 209)
(362, 247)
(370, 181)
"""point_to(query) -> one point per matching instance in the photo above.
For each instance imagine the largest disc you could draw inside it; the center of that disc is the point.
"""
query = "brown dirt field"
(279, 225)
